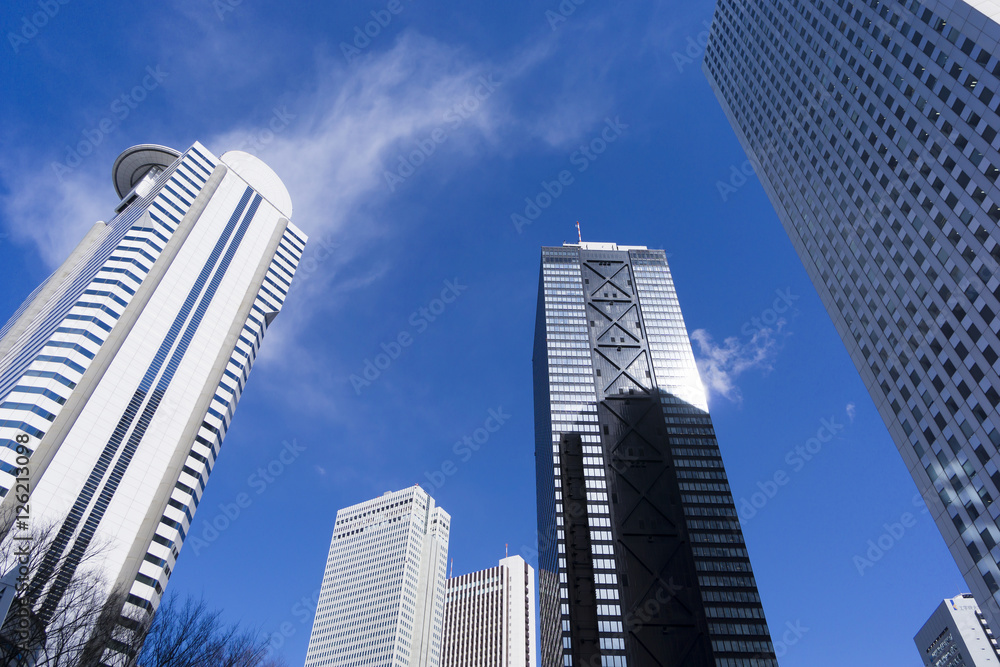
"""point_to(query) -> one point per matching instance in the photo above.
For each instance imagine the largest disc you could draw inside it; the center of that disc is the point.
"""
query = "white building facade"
(957, 635)
(489, 617)
(119, 375)
(382, 597)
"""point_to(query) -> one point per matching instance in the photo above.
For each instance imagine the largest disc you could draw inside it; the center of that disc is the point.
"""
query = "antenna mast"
(579, 235)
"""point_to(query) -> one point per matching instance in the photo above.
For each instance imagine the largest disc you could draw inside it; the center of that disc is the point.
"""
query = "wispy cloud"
(342, 128)
(721, 365)
(49, 215)
(333, 154)
(349, 131)
(852, 410)
(348, 126)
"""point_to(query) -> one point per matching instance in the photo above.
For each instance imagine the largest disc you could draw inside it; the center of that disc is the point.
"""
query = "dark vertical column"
(579, 557)
(665, 622)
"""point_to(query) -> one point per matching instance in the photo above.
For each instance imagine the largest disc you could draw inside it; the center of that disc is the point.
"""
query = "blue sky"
(471, 108)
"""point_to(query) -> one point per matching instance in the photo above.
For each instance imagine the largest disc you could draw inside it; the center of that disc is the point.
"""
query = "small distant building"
(382, 599)
(489, 617)
(956, 635)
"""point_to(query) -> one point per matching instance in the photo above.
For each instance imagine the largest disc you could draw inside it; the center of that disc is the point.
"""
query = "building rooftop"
(590, 245)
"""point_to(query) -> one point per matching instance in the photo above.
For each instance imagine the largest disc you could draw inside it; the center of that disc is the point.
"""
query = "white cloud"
(53, 216)
(349, 126)
(721, 365)
(351, 123)
(851, 411)
(333, 154)
(348, 133)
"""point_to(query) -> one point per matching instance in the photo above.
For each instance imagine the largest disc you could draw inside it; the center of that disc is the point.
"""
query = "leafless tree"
(189, 634)
(73, 630)
(86, 626)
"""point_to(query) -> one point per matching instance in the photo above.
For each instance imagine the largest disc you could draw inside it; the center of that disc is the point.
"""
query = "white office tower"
(489, 617)
(382, 600)
(120, 374)
(956, 635)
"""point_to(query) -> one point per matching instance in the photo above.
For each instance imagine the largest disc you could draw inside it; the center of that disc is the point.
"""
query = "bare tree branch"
(86, 628)
(192, 635)
(87, 618)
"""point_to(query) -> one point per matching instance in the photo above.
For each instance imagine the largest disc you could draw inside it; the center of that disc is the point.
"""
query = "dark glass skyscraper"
(642, 560)
(873, 127)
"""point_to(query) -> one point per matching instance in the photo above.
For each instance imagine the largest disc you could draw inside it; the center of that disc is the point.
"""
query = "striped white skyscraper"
(120, 374)
(489, 617)
(382, 599)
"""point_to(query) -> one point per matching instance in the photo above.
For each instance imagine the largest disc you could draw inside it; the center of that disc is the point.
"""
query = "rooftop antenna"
(578, 234)
(452, 575)
(505, 554)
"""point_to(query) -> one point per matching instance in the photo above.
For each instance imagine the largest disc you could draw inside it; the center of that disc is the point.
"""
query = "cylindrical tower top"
(133, 164)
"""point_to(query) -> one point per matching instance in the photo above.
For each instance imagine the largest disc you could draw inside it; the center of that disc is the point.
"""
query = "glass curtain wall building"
(120, 375)
(641, 555)
(873, 128)
(382, 597)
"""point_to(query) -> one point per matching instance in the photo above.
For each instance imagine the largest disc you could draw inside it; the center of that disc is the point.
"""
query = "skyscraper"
(641, 555)
(489, 617)
(957, 635)
(120, 374)
(873, 129)
(382, 597)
